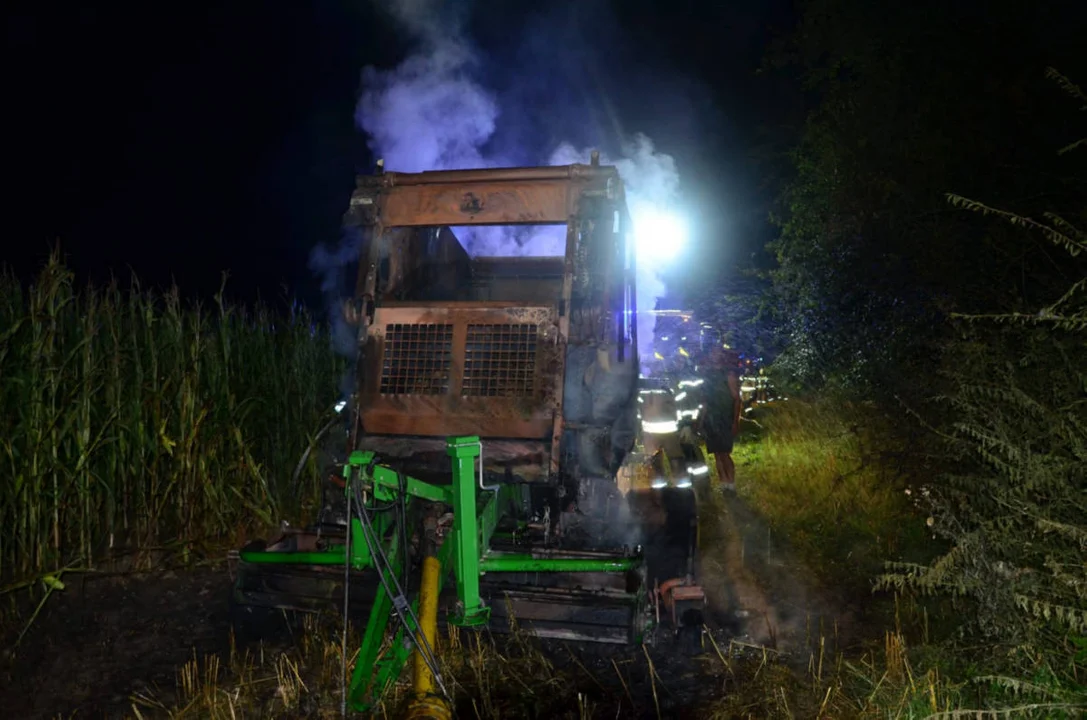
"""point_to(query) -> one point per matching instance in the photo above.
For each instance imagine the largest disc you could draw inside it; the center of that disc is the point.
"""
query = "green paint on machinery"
(388, 512)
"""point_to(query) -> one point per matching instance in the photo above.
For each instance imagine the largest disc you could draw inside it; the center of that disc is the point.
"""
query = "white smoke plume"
(432, 113)
(428, 113)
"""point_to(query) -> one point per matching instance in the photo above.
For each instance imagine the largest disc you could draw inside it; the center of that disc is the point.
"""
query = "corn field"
(129, 419)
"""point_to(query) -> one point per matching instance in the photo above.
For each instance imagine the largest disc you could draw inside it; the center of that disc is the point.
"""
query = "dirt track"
(105, 638)
(759, 592)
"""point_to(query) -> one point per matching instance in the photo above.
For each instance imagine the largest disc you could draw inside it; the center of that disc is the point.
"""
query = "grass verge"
(842, 484)
(835, 480)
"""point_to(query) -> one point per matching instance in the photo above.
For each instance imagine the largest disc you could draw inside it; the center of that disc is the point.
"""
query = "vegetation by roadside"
(854, 503)
(129, 421)
(959, 320)
(834, 479)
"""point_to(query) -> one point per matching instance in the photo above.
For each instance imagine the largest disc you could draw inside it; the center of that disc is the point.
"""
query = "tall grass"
(129, 419)
(850, 491)
(836, 480)
(519, 677)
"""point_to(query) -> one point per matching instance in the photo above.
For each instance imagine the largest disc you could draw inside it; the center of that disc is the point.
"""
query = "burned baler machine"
(535, 355)
(533, 362)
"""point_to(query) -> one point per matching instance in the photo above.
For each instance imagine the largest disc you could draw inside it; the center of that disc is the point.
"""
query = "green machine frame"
(465, 552)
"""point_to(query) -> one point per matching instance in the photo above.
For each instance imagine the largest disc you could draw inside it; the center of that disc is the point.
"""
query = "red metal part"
(677, 592)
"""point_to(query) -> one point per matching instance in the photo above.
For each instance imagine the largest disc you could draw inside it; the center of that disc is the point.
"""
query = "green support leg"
(471, 611)
(487, 512)
(364, 683)
(362, 678)
(360, 551)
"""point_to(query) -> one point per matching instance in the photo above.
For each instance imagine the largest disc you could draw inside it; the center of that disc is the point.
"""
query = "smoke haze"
(428, 113)
(434, 112)
(328, 263)
(651, 181)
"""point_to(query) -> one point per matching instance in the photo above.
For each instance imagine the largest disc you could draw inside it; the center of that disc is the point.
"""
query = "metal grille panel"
(500, 361)
(416, 359)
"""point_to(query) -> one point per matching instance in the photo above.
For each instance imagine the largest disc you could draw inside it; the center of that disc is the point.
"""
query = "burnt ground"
(105, 638)
(759, 593)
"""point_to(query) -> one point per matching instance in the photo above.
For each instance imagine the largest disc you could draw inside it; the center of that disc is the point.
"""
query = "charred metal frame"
(595, 306)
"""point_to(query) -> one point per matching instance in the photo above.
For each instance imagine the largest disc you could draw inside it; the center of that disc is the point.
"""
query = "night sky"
(185, 140)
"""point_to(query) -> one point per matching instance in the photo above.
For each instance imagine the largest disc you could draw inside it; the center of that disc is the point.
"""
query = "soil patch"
(758, 589)
(107, 637)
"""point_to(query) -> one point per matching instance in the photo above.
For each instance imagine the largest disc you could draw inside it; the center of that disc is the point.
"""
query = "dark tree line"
(910, 102)
(930, 257)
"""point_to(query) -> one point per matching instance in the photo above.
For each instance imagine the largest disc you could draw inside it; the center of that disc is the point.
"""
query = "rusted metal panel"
(528, 266)
(535, 173)
(485, 203)
(521, 280)
(462, 312)
(564, 333)
(454, 366)
(462, 369)
(416, 311)
(415, 416)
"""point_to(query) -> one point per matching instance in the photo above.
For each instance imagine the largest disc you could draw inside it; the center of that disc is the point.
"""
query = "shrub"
(1013, 501)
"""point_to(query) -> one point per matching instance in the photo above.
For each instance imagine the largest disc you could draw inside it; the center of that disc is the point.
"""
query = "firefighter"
(721, 420)
(762, 387)
(660, 435)
(748, 384)
(689, 407)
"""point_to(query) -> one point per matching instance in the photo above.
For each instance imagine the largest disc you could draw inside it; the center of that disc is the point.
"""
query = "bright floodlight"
(659, 235)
